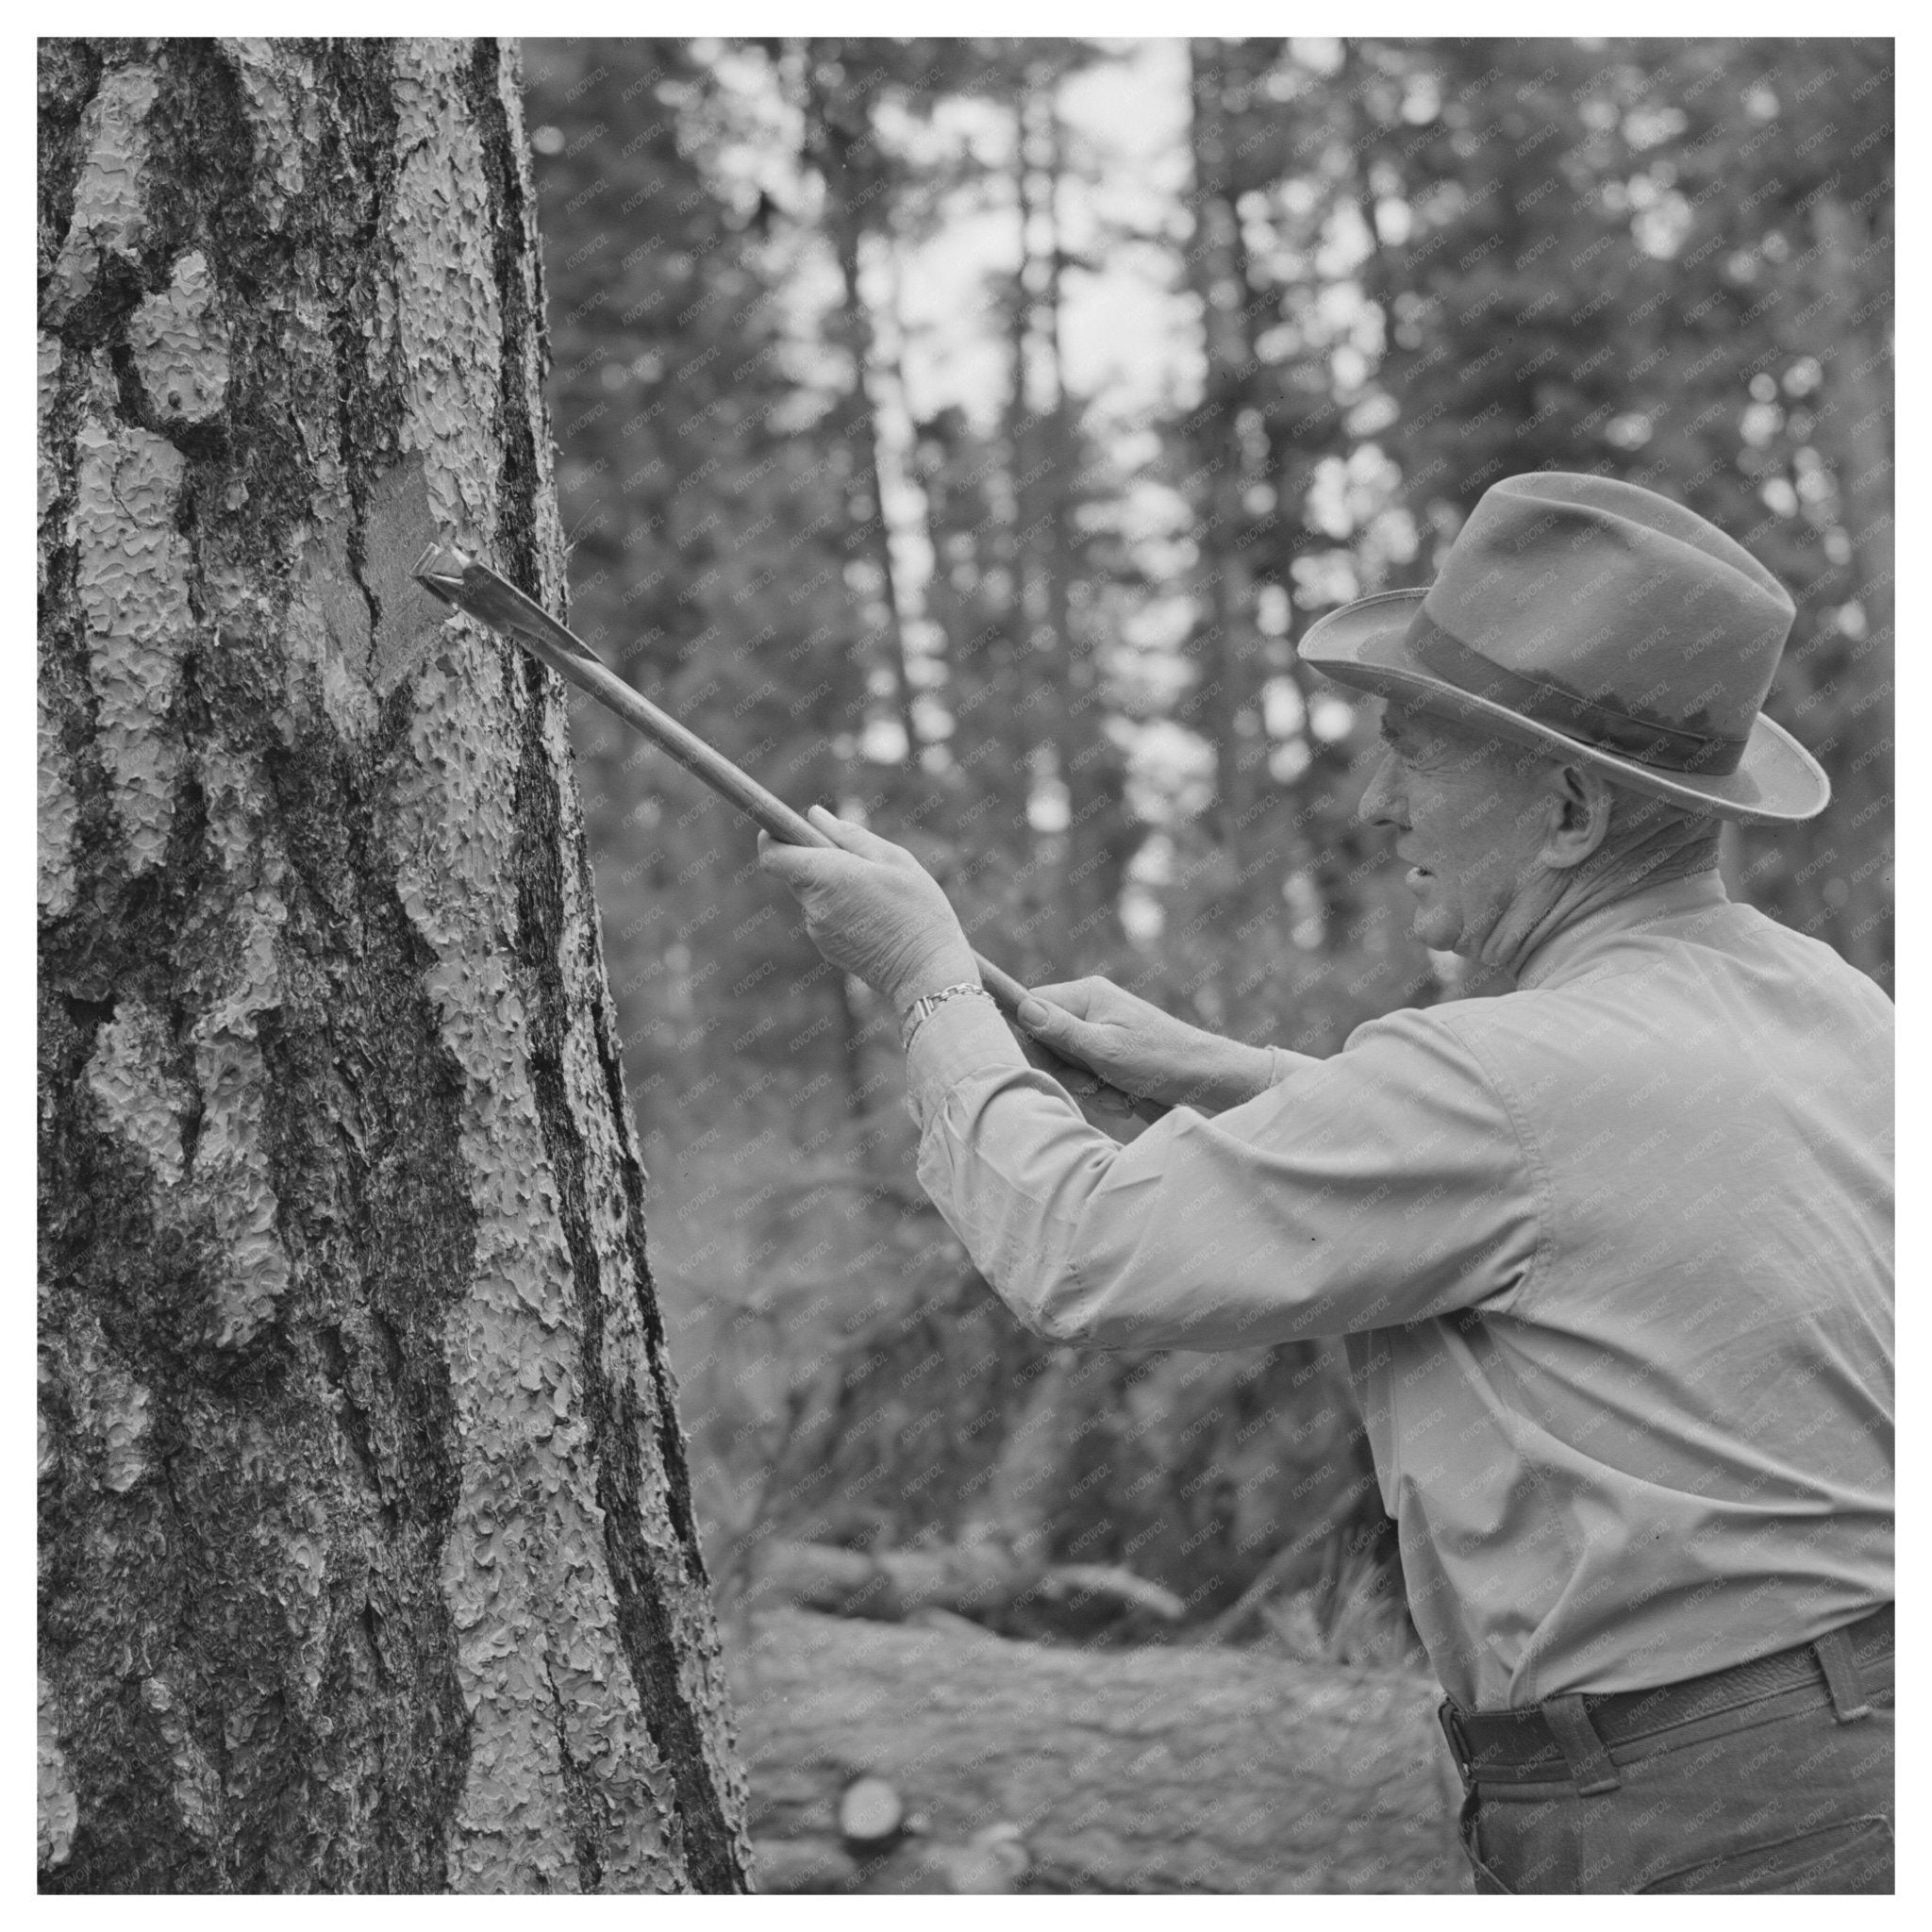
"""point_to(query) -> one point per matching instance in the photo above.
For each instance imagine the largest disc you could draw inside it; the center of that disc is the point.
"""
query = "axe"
(469, 585)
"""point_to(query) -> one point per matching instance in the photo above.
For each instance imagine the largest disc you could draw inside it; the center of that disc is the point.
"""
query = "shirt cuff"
(963, 1036)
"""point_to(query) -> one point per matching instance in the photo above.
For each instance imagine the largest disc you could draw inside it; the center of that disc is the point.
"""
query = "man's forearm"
(1231, 1075)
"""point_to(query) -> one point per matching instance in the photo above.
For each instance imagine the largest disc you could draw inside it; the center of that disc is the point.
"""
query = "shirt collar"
(1566, 947)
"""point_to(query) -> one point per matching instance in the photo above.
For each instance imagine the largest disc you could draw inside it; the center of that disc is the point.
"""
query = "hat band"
(1649, 741)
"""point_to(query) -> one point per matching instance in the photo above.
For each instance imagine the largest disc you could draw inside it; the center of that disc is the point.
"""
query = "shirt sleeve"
(1383, 1185)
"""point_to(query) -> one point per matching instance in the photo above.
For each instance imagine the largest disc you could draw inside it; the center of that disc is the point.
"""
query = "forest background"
(959, 433)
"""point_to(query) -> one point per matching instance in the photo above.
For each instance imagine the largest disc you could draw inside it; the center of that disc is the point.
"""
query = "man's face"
(1468, 820)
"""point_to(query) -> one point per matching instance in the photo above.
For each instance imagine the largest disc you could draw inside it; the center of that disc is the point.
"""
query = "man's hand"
(872, 908)
(1142, 1050)
(1121, 1116)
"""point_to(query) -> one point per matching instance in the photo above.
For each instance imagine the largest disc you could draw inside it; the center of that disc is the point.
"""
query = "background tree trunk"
(1227, 649)
(367, 1555)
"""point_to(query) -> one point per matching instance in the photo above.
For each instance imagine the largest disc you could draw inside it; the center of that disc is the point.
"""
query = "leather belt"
(1522, 1744)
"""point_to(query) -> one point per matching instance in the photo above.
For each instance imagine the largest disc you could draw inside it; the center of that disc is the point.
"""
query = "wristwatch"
(923, 1009)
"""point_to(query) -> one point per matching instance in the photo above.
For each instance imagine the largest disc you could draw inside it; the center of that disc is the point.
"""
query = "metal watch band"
(926, 1004)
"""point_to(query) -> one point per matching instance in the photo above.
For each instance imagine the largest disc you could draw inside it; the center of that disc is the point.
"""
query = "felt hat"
(1595, 620)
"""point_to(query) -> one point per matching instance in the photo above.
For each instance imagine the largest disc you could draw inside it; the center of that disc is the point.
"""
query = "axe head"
(439, 571)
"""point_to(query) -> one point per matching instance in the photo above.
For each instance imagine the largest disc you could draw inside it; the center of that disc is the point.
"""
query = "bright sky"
(1124, 333)
(1130, 336)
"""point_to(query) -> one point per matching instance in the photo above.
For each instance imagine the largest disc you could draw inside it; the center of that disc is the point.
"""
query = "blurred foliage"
(1041, 633)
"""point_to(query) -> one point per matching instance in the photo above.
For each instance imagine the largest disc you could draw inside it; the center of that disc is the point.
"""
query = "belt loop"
(1459, 1751)
(1841, 1666)
(1583, 1751)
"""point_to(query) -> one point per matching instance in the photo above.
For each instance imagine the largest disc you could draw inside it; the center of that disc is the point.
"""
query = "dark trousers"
(1779, 1786)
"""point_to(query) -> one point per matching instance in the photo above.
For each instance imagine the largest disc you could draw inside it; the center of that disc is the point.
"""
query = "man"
(1611, 1252)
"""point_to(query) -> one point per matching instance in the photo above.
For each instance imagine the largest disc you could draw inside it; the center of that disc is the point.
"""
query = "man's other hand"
(1142, 1050)
(872, 908)
(1121, 1116)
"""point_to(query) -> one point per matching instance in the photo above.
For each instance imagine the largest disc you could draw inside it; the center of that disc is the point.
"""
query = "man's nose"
(1379, 804)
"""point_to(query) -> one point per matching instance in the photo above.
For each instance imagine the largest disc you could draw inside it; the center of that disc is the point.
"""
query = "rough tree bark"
(367, 1554)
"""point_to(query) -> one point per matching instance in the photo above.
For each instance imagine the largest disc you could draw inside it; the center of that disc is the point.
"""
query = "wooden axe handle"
(474, 589)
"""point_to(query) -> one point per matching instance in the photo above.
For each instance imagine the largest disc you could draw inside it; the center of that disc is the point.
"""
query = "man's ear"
(1580, 816)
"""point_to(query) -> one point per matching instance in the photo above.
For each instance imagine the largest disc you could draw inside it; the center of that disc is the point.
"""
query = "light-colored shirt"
(1612, 1253)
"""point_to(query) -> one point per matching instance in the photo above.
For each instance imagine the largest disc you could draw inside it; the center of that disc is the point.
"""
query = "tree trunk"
(1835, 886)
(838, 130)
(1226, 645)
(367, 1554)
(1097, 844)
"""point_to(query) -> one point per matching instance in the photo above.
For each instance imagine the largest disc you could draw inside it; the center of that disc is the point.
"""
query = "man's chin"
(1432, 927)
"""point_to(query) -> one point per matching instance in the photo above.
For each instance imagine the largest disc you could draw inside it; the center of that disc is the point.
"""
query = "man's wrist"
(959, 969)
(923, 1009)
(1238, 1074)
(1255, 1074)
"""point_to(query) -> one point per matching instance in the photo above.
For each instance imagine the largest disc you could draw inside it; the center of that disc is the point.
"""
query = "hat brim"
(1777, 781)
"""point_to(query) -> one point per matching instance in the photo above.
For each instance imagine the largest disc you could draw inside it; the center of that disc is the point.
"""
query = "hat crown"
(1604, 609)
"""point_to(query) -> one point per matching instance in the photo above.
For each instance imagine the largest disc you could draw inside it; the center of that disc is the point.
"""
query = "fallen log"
(972, 1579)
(1154, 1768)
